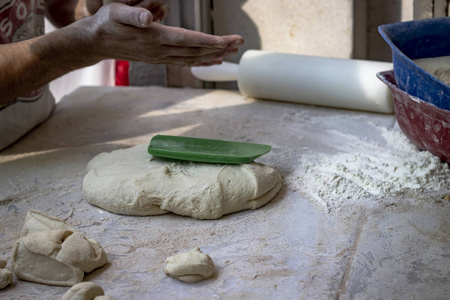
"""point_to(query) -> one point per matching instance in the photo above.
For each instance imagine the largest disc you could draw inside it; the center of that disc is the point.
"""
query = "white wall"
(311, 27)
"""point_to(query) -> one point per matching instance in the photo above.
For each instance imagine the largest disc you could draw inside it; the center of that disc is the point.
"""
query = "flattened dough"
(132, 182)
(51, 252)
(192, 266)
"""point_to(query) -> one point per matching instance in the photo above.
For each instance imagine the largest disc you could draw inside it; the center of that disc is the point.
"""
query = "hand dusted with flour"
(132, 182)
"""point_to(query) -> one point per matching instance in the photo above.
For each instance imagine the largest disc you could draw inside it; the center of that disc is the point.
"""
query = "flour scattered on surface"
(370, 171)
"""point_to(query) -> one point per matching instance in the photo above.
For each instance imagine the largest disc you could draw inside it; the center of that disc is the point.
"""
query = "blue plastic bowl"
(419, 39)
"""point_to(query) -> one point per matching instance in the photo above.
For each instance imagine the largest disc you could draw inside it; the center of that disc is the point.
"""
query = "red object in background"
(122, 67)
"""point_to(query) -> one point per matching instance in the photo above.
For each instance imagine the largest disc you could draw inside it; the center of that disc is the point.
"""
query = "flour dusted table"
(288, 249)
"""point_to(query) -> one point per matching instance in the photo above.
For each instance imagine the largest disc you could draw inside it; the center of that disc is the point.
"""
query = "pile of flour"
(370, 172)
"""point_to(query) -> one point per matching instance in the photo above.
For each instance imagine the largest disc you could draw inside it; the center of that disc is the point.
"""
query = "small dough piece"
(51, 252)
(190, 266)
(5, 275)
(133, 182)
(86, 291)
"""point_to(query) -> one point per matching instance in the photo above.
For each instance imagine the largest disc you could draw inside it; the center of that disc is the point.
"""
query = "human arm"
(116, 31)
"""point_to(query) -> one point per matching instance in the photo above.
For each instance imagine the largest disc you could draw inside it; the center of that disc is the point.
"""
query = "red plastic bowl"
(424, 124)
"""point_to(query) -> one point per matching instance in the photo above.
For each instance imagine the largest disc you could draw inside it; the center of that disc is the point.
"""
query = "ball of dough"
(133, 182)
(190, 266)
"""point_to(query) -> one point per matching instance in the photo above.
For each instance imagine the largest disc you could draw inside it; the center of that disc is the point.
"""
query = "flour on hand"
(51, 252)
(133, 182)
(190, 266)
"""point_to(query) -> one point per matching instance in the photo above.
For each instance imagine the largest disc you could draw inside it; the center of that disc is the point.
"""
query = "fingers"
(175, 36)
(198, 39)
(186, 47)
(183, 56)
(130, 15)
(192, 52)
(158, 8)
(197, 63)
(148, 4)
(160, 12)
(145, 19)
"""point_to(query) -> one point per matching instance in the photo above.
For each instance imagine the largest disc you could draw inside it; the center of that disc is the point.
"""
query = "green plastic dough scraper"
(205, 150)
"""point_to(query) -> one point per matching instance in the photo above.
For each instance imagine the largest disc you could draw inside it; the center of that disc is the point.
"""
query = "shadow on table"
(128, 116)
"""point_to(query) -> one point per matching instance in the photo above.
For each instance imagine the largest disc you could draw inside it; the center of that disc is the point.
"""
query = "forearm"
(116, 31)
(30, 64)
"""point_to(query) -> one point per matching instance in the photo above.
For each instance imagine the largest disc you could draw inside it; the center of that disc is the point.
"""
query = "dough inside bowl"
(439, 67)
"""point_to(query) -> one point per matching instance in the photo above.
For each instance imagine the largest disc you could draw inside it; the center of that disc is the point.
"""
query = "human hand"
(127, 32)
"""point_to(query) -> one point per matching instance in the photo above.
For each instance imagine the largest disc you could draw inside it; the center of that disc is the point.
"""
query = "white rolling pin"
(333, 82)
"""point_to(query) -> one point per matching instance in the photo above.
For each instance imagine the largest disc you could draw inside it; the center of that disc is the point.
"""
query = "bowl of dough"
(424, 124)
(421, 58)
